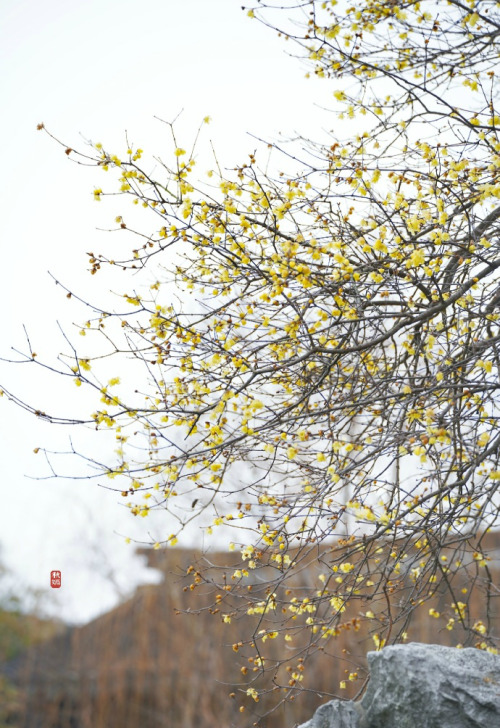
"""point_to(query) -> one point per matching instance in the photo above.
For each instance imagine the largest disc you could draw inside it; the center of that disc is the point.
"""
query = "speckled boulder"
(428, 686)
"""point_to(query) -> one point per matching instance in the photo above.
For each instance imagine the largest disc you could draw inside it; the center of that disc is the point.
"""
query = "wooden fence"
(145, 665)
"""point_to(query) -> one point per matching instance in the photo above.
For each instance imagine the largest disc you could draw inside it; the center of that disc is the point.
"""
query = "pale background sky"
(98, 68)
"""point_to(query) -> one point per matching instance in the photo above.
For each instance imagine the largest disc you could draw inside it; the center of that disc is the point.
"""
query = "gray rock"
(335, 714)
(428, 686)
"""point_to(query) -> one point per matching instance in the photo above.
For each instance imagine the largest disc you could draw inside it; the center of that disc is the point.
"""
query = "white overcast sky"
(96, 69)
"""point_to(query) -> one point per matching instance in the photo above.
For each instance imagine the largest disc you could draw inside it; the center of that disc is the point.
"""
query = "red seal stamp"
(55, 579)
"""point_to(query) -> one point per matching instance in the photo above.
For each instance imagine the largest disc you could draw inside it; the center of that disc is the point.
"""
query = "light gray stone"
(424, 686)
(335, 714)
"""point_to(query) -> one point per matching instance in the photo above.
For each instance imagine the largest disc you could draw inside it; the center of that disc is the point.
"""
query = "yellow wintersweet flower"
(346, 568)
(483, 439)
(416, 258)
